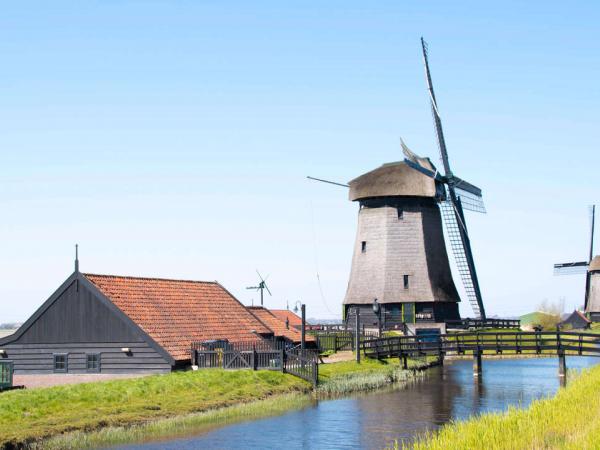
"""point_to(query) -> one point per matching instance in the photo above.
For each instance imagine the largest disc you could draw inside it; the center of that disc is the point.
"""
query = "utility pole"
(303, 338)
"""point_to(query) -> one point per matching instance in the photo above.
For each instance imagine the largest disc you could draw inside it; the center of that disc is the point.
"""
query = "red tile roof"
(282, 314)
(277, 325)
(176, 313)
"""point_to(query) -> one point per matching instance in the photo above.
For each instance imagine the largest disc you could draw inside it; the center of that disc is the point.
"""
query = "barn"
(575, 321)
(283, 329)
(119, 324)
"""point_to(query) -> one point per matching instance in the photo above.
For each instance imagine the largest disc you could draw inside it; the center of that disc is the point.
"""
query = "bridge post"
(562, 364)
(477, 369)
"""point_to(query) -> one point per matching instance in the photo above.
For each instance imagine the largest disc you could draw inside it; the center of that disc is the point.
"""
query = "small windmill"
(579, 267)
(262, 285)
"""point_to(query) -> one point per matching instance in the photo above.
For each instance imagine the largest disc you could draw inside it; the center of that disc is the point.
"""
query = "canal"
(374, 420)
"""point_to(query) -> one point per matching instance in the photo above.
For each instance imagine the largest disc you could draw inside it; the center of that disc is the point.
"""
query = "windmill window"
(400, 214)
(405, 281)
(363, 246)
(60, 363)
(93, 362)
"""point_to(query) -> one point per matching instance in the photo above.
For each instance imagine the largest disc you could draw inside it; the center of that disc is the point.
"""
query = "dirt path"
(339, 357)
(36, 381)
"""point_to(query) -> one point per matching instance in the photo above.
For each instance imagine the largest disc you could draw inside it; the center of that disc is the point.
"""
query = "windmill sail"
(460, 255)
(571, 268)
(470, 201)
(452, 210)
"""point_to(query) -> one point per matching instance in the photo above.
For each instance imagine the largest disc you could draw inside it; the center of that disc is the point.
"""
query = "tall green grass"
(570, 420)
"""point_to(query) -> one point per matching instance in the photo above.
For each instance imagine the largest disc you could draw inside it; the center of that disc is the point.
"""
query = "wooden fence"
(582, 344)
(466, 324)
(335, 341)
(303, 364)
(258, 356)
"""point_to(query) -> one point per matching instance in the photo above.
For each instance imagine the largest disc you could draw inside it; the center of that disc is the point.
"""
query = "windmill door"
(408, 312)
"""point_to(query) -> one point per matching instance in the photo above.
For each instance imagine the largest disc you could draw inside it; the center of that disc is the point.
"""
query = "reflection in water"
(374, 420)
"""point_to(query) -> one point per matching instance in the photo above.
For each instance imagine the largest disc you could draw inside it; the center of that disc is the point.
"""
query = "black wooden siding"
(79, 316)
(78, 323)
(38, 358)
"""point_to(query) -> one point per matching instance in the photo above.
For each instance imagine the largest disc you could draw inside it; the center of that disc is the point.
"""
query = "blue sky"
(173, 139)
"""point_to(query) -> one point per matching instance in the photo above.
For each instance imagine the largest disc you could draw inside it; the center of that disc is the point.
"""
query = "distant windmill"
(583, 266)
(400, 269)
(262, 285)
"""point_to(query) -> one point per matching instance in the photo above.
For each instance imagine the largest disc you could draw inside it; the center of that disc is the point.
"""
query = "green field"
(570, 420)
(34, 414)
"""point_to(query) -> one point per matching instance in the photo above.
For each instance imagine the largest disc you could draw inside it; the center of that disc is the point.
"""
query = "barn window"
(405, 281)
(363, 246)
(400, 214)
(60, 363)
(93, 362)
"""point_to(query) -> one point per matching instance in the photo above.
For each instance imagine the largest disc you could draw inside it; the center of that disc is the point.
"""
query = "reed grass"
(176, 426)
(346, 377)
(570, 420)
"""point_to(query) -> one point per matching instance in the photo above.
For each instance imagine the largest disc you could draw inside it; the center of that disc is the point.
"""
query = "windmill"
(262, 285)
(400, 265)
(586, 267)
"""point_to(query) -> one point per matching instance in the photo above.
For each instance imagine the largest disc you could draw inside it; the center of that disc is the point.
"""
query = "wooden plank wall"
(38, 358)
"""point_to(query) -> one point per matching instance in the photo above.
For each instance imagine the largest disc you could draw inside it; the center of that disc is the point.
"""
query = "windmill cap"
(595, 264)
(393, 180)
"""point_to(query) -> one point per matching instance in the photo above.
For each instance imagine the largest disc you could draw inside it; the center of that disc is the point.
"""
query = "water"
(374, 420)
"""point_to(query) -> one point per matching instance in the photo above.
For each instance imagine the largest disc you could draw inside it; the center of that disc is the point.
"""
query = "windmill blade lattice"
(469, 201)
(460, 256)
(570, 268)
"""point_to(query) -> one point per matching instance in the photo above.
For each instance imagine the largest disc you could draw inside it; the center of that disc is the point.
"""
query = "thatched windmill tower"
(400, 255)
(400, 269)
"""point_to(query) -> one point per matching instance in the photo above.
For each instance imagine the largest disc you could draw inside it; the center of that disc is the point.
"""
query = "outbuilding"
(119, 324)
(576, 321)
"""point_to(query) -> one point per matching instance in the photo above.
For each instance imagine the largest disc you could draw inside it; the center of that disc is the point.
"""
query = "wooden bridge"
(479, 344)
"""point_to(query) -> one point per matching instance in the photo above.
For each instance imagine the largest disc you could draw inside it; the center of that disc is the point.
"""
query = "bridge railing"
(584, 344)
(466, 324)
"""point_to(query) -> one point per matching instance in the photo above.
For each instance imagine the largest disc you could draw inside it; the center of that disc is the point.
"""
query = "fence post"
(281, 357)
(315, 372)
(335, 339)
(283, 361)
(254, 358)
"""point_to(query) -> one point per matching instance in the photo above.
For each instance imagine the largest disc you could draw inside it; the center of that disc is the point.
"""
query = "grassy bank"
(348, 376)
(176, 426)
(570, 420)
(126, 411)
(30, 415)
